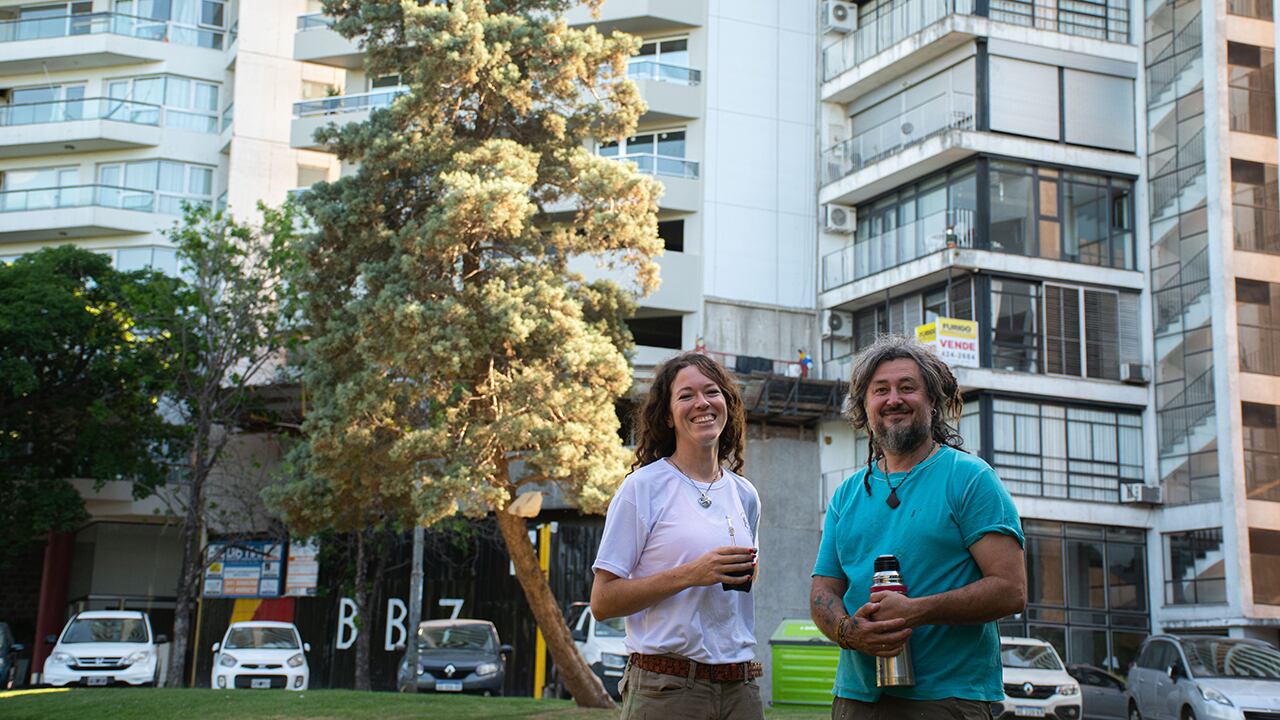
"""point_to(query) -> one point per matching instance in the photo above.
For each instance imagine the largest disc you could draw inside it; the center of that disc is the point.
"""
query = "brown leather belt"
(729, 672)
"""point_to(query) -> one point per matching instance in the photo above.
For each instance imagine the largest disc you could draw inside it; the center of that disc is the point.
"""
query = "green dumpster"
(804, 663)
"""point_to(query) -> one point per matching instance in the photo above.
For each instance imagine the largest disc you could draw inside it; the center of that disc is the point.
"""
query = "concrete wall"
(785, 472)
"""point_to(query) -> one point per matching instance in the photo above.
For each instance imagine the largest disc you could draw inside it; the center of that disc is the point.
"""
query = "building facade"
(1091, 186)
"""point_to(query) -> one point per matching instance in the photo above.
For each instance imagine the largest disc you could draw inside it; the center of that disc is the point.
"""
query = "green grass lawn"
(150, 704)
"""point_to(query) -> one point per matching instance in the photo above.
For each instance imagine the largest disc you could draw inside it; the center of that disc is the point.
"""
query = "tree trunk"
(364, 618)
(587, 689)
(188, 580)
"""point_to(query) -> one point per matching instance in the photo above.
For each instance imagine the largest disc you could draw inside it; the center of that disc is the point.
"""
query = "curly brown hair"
(939, 383)
(656, 439)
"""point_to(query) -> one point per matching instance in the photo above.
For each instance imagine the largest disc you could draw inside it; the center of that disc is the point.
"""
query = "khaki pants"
(655, 696)
(892, 708)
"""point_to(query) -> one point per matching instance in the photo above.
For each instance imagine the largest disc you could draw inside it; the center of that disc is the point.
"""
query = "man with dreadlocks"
(951, 524)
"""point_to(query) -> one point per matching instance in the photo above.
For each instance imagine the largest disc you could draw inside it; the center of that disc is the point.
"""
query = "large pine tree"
(455, 358)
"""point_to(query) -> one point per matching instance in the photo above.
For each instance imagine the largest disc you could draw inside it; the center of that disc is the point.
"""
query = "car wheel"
(1133, 712)
(1188, 714)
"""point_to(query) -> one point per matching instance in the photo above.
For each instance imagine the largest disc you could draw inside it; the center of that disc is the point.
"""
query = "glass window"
(1264, 560)
(1194, 567)
(1251, 89)
(160, 185)
(185, 104)
(1012, 212)
(1255, 206)
(1260, 9)
(661, 153)
(1015, 325)
(1261, 433)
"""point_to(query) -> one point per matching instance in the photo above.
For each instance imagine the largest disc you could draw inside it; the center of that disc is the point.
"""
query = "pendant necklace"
(892, 501)
(703, 500)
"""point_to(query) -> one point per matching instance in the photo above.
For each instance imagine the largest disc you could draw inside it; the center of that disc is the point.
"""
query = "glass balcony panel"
(56, 111)
(312, 21)
(663, 72)
(892, 26)
(942, 113)
(44, 28)
(895, 246)
(348, 103)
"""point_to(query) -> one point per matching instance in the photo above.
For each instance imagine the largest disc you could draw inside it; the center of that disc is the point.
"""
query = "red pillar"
(54, 578)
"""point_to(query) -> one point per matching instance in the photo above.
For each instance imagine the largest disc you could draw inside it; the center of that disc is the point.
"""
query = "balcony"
(916, 31)
(311, 115)
(84, 125)
(77, 211)
(864, 258)
(315, 41)
(93, 40)
(681, 274)
(641, 16)
(672, 92)
(679, 178)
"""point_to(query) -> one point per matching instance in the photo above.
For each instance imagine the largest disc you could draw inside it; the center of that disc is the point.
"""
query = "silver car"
(1201, 678)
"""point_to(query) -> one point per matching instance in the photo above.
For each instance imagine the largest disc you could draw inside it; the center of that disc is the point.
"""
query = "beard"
(901, 439)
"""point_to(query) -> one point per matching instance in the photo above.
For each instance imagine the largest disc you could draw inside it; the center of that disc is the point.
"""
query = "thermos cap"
(887, 562)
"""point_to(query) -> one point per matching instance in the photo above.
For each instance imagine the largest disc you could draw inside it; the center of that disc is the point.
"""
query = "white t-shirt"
(656, 523)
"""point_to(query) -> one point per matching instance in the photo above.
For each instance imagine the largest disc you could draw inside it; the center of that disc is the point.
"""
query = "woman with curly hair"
(679, 539)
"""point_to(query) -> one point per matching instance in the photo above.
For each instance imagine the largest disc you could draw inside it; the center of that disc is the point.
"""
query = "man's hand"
(884, 638)
(895, 606)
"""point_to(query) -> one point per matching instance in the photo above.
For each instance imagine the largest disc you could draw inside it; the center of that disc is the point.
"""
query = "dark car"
(9, 658)
(1102, 692)
(462, 656)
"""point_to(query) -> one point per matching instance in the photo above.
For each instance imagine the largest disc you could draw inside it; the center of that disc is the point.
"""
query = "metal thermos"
(892, 671)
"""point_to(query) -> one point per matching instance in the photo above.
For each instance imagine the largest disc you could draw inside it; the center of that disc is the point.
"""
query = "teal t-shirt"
(949, 502)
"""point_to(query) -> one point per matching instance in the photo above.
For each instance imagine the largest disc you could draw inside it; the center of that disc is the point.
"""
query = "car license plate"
(260, 683)
(94, 681)
(1026, 711)
(449, 685)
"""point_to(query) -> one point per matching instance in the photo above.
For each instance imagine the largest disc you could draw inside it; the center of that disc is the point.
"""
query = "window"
(40, 189)
(162, 259)
(185, 103)
(1194, 567)
(1077, 217)
(915, 221)
(56, 20)
(1086, 591)
(191, 22)
(1264, 559)
(159, 185)
(672, 234)
(660, 153)
(1255, 206)
(1082, 331)
(309, 175)
(1251, 80)
(1052, 450)
(1260, 9)
(1258, 325)
(384, 81)
(904, 314)
(663, 331)
(666, 60)
(1015, 318)
(1261, 429)
(48, 103)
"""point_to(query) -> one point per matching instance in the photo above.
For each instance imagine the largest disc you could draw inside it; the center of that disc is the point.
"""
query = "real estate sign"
(955, 341)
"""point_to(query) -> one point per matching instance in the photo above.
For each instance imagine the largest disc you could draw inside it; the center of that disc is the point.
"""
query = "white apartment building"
(113, 113)
(1093, 184)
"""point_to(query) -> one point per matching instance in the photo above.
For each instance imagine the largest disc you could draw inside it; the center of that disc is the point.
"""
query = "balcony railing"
(663, 72)
(878, 35)
(228, 116)
(314, 21)
(45, 28)
(946, 112)
(929, 234)
(341, 104)
(1105, 21)
(58, 111)
(662, 165)
(72, 196)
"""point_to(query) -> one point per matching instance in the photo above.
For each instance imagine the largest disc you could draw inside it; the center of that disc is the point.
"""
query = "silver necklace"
(703, 500)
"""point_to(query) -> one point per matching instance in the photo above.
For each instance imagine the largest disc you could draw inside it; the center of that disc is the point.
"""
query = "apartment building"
(113, 114)
(1090, 187)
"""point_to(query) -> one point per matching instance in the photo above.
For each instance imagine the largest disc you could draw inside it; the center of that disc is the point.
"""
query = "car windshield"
(1214, 657)
(262, 638)
(106, 630)
(613, 627)
(474, 636)
(1036, 657)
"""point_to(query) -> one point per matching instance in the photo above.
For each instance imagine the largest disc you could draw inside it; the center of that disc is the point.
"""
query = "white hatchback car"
(104, 647)
(261, 655)
(1036, 685)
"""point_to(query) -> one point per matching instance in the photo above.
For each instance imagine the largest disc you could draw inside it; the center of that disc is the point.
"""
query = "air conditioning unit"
(1141, 493)
(840, 17)
(839, 219)
(837, 324)
(1135, 373)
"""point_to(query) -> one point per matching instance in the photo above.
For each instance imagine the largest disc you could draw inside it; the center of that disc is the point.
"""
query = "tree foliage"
(455, 354)
(85, 353)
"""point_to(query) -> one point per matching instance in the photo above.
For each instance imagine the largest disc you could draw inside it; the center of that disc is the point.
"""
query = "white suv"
(1035, 683)
(104, 647)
